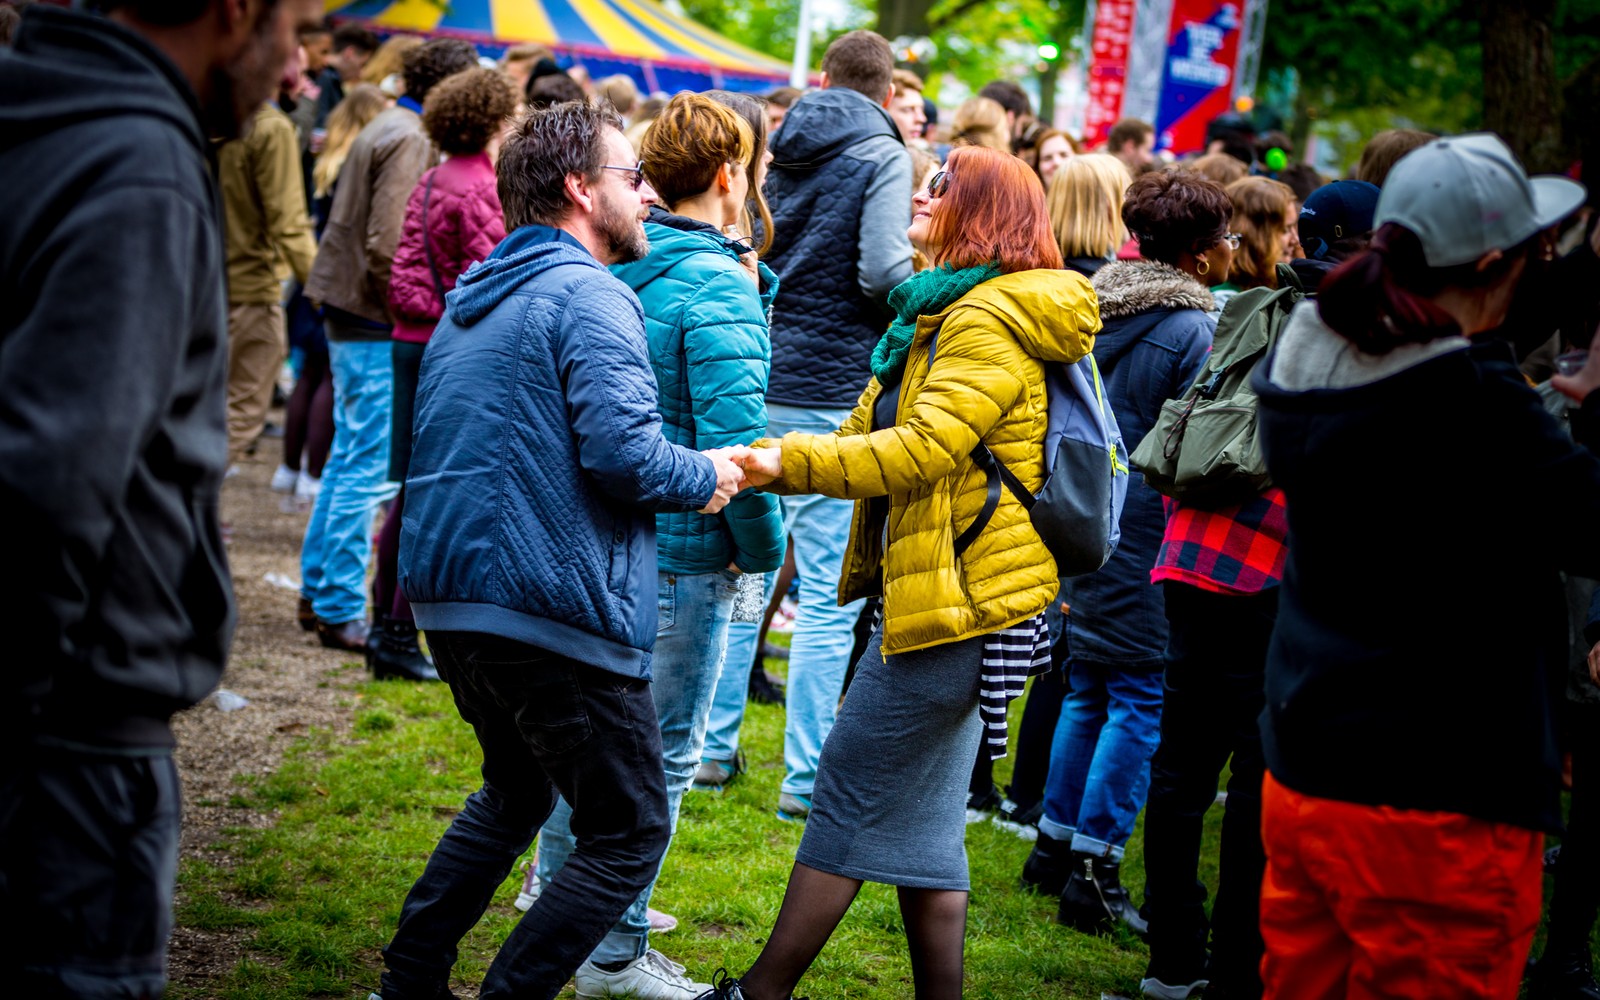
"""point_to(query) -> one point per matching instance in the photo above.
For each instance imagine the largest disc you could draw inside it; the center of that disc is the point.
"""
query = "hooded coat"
(1420, 651)
(113, 376)
(539, 465)
(706, 322)
(840, 191)
(1155, 340)
(986, 384)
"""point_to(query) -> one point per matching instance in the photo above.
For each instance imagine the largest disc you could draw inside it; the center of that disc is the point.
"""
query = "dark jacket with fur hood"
(1155, 337)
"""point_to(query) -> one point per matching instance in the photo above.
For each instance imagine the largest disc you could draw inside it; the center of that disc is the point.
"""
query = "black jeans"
(1575, 899)
(548, 724)
(1215, 666)
(88, 857)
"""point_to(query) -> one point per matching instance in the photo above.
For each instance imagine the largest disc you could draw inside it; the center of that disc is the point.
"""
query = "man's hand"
(761, 465)
(730, 477)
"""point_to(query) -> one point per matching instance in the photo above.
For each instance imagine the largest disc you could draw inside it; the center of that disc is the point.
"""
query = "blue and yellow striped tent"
(661, 50)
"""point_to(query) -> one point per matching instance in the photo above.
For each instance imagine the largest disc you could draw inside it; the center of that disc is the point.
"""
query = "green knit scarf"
(923, 294)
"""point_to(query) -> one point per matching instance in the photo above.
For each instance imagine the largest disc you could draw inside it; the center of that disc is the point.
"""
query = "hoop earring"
(1203, 266)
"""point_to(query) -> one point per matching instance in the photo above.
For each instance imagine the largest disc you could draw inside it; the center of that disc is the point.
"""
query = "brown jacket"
(264, 207)
(369, 210)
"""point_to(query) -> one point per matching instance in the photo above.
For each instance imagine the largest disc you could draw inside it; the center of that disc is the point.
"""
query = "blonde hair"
(1224, 168)
(1261, 208)
(1085, 205)
(389, 59)
(361, 104)
(620, 92)
(980, 121)
(692, 138)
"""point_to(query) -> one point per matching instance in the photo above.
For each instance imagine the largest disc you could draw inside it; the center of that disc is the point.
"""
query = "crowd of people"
(588, 382)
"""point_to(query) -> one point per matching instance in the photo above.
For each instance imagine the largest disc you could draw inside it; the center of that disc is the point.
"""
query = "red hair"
(993, 213)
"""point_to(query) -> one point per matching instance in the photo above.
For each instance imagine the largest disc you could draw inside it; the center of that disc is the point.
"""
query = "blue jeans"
(338, 543)
(1100, 760)
(824, 633)
(546, 724)
(733, 686)
(691, 636)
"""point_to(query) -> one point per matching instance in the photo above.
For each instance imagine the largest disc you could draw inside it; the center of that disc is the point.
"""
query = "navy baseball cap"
(1334, 212)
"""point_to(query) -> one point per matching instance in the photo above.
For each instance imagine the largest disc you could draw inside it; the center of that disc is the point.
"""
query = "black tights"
(815, 902)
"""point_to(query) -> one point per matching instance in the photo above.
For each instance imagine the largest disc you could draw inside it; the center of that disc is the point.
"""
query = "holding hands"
(730, 477)
(761, 465)
(739, 468)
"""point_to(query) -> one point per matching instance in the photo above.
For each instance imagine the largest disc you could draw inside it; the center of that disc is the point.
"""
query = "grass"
(317, 895)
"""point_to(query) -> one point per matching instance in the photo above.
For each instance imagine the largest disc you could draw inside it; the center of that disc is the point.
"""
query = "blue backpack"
(1078, 511)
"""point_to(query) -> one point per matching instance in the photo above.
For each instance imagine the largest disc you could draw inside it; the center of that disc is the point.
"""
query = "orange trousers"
(1370, 901)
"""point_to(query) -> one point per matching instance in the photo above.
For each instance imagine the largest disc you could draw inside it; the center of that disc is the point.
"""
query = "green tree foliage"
(1363, 65)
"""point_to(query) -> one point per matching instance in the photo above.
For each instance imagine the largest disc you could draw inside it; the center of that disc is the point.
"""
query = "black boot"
(397, 654)
(1094, 900)
(764, 688)
(1048, 865)
(1563, 975)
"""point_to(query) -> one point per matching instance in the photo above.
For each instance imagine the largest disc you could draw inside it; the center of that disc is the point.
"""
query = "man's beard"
(240, 88)
(622, 232)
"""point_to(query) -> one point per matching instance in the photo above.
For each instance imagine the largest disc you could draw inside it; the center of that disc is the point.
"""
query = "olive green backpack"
(1203, 449)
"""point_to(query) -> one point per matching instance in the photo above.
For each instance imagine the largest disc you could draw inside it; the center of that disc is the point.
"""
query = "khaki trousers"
(257, 345)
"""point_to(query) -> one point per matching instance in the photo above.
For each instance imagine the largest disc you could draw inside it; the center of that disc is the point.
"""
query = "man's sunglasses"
(939, 183)
(636, 170)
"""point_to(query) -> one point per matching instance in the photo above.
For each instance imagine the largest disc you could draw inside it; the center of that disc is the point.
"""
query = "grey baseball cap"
(1466, 195)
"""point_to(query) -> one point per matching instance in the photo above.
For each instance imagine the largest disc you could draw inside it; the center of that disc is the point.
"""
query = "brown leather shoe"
(350, 635)
(305, 616)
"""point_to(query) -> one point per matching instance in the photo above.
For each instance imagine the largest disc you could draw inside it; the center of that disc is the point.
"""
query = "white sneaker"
(653, 976)
(283, 480)
(531, 887)
(306, 487)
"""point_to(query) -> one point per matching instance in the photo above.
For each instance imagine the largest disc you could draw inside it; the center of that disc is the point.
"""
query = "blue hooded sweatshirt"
(539, 463)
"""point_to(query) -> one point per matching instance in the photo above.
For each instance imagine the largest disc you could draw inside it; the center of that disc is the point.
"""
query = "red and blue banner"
(1198, 83)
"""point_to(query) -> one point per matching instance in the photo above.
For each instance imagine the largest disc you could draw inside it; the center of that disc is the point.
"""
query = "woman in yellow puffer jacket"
(962, 363)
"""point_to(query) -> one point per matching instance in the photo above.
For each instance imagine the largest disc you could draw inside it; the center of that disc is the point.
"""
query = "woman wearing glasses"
(706, 321)
(962, 363)
(1157, 331)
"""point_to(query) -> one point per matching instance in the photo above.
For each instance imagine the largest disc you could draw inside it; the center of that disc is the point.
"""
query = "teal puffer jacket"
(707, 326)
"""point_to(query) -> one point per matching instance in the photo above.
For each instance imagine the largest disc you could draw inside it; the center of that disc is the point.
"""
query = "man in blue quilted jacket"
(528, 551)
(840, 189)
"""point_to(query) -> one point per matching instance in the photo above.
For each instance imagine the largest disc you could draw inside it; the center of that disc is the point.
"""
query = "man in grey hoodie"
(840, 191)
(116, 604)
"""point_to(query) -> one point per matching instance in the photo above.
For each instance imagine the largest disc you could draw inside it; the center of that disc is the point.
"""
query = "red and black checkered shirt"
(1230, 550)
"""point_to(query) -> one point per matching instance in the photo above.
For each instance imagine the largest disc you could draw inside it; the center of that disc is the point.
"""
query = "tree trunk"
(903, 17)
(1521, 100)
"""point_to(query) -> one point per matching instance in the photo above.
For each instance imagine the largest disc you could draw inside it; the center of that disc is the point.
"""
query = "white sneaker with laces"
(283, 479)
(652, 976)
(306, 487)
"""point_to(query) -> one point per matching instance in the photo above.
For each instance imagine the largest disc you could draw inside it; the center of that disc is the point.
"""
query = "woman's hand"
(1586, 380)
(761, 465)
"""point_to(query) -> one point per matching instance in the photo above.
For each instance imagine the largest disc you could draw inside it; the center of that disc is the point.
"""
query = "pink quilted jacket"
(464, 222)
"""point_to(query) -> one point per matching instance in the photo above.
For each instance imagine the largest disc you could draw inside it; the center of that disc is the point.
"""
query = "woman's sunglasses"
(938, 184)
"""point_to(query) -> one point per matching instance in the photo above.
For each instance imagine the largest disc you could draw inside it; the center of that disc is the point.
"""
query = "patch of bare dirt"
(292, 684)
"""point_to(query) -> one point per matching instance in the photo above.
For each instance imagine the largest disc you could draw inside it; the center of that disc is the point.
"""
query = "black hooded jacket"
(840, 190)
(116, 602)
